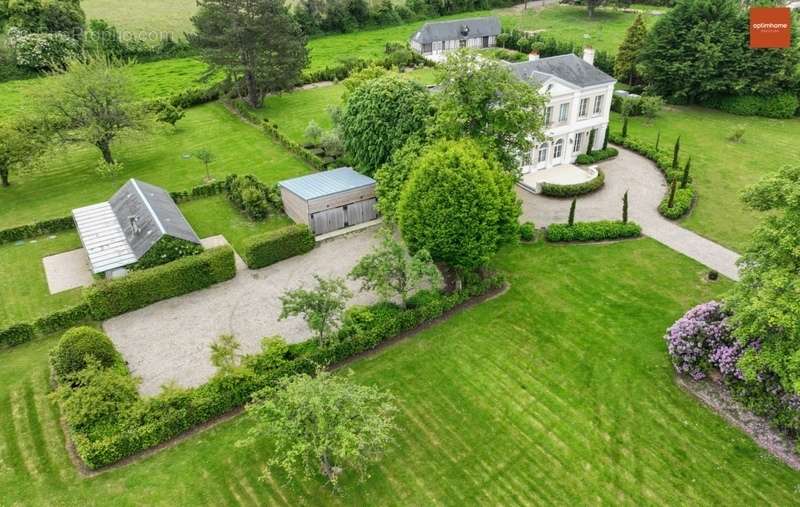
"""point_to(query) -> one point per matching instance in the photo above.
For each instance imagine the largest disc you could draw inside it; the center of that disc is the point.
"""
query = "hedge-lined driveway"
(170, 340)
(646, 187)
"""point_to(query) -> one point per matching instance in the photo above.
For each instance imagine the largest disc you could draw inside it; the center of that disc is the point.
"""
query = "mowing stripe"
(11, 453)
(19, 419)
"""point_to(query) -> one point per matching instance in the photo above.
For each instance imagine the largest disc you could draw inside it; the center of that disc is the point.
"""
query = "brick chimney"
(588, 55)
(533, 55)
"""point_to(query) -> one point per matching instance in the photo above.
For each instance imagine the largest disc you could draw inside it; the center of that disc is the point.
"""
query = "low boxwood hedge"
(661, 158)
(555, 190)
(596, 156)
(36, 229)
(684, 198)
(16, 334)
(153, 420)
(109, 298)
(592, 231)
(21, 332)
(264, 249)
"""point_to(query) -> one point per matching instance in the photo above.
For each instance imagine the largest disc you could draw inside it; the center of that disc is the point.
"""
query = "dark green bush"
(784, 105)
(527, 231)
(199, 191)
(62, 319)
(684, 198)
(108, 298)
(36, 229)
(253, 198)
(596, 156)
(69, 355)
(166, 249)
(16, 334)
(592, 231)
(264, 249)
(555, 190)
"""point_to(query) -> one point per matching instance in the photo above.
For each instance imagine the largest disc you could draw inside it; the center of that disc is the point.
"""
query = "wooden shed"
(330, 200)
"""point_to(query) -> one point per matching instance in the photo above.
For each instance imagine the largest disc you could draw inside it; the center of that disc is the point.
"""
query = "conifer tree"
(672, 190)
(629, 51)
(625, 127)
(572, 212)
(685, 178)
(675, 152)
(625, 208)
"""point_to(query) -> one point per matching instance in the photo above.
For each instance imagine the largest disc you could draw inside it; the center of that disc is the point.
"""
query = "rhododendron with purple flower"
(700, 339)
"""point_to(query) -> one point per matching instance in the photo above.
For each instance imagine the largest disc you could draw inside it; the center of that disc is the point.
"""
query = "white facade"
(438, 48)
(571, 114)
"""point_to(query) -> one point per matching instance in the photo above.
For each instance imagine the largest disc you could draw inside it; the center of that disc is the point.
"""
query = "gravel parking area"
(169, 341)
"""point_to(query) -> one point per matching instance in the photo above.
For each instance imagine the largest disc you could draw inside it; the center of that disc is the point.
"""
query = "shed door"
(362, 211)
(328, 220)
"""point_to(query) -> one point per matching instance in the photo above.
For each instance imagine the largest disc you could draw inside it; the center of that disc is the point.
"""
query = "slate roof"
(458, 29)
(314, 186)
(119, 232)
(569, 67)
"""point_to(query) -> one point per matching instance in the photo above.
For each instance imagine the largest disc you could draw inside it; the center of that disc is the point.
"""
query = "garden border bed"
(85, 471)
(717, 397)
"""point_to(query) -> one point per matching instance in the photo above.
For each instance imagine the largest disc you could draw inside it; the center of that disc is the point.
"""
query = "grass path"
(558, 392)
(720, 168)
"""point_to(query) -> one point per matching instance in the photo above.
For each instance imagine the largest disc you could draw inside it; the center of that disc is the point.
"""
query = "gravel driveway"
(170, 340)
(646, 187)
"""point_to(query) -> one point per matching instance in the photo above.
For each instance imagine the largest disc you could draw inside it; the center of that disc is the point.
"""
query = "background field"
(144, 16)
(720, 168)
(558, 392)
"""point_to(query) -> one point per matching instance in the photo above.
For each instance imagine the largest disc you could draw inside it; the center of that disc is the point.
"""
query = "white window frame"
(541, 155)
(597, 109)
(563, 112)
(578, 141)
(558, 149)
(548, 115)
(583, 108)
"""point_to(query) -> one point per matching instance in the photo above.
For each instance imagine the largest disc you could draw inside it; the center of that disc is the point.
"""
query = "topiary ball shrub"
(527, 231)
(69, 355)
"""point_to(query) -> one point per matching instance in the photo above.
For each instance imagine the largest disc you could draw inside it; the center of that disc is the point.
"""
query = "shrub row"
(662, 159)
(151, 421)
(684, 198)
(33, 230)
(108, 298)
(22, 332)
(199, 191)
(265, 249)
(783, 105)
(596, 156)
(592, 231)
(397, 56)
(556, 190)
(252, 197)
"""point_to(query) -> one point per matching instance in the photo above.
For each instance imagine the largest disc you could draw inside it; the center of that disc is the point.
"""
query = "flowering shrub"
(701, 339)
(41, 51)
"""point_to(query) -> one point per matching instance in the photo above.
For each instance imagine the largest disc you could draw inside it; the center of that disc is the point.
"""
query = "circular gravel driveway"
(646, 187)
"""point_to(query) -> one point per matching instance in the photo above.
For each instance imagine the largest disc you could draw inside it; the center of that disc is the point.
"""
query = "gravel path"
(170, 339)
(646, 187)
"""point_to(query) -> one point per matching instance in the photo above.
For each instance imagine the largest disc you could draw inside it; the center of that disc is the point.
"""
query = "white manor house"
(579, 102)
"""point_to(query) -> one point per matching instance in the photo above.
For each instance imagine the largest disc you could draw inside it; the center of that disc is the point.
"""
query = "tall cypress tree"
(625, 127)
(605, 139)
(625, 208)
(685, 177)
(675, 153)
(591, 143)
(572, 212)
(658, 139)
(672, 190)
(629, 51)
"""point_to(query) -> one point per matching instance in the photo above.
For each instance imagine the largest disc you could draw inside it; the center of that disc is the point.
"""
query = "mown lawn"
(292, 111)
(721, 168)
(23, 286)
(215, 215)
(558, 392)
(161, 158)
(148, 20)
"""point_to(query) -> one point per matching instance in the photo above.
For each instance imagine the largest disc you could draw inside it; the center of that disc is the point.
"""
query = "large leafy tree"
(391, 177)
(482, 99)
(324, 424)
(256, 42)
(379, 117)
(47, 16)
(766, 302)
(391, 272)
(20, 147)
(91, 102)
(458, 204)
(629, 52)
(700, 49)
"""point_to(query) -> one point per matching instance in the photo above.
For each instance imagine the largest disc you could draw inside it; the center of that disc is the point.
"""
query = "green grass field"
(558, 392)
(144, 19)
(23, 287)
(69, 180)
(721, 169)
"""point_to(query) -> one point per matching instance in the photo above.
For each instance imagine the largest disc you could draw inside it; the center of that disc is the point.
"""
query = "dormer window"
(464, 30)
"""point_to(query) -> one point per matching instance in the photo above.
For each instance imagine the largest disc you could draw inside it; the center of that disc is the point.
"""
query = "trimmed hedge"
(596, 156)
(265, 249)
(783, 105)
(592, 231)
(138, 289)
(33, 230)
(22, 332)
(16, 334)
(662, 159)
(555, 190)
(152, 421)
(69, 355)
(684, 198)
(198, 192)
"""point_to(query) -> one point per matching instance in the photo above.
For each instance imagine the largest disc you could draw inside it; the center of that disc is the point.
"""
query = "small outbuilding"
(439, 37)
(330, 200)
(118, 232)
